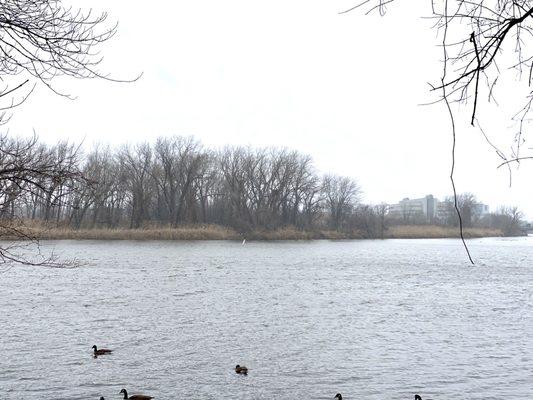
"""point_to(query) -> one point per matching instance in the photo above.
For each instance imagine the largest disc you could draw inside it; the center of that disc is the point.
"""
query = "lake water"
(368, 319)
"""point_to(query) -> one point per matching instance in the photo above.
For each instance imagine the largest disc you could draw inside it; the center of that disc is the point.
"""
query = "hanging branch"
(489, 24)
(493, 26)
(454, 136)
(43, 39)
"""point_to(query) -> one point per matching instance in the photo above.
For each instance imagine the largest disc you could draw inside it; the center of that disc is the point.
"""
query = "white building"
(415, 210)
(429, 209)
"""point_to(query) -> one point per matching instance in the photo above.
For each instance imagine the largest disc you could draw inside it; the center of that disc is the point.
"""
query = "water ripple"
(369, 319)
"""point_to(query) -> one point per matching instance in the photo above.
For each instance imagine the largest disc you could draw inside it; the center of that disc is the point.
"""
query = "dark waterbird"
(338, 396)
(241, 369)
(99, 352)
(135, 396)
(102, 398)
(417, 397)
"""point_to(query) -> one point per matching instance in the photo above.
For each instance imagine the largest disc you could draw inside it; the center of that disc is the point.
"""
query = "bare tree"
(206, 188)
(31, 171)
(41, 40)
(381, 211)
(232, 166)
(178, 162)
(507, 219)
(466, 203)
(341, 194)
(97, 193)
(475, 35)
(483, 41)
(312, 199)
(136, 163)
(514, 220)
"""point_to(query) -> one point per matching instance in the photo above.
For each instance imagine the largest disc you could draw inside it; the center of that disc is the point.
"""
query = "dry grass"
(291, 233)
(433, 232)
(187, 232)
(200, 232)
(217, 232)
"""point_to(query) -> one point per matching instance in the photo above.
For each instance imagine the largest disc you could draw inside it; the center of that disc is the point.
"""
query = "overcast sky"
(344, 88)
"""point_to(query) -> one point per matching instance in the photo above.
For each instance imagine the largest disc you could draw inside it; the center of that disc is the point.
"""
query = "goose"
(99, 352)
(338, 396)
(135, 396)
(241, 369)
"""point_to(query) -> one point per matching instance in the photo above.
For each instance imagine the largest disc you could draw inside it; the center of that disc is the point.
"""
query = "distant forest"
(177, 181)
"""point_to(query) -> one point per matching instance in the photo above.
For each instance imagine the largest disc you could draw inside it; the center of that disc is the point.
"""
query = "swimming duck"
(417, 397)
(135, 396)
(241, 369)
(99, 352)
(338, 396)
(102, 398)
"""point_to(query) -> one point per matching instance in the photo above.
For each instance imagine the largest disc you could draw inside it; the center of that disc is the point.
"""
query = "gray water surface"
(368, 319)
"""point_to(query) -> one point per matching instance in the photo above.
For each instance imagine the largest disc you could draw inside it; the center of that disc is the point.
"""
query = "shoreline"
(216, 232)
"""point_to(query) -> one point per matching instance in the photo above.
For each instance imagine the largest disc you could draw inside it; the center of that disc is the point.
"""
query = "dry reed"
(434, 232)
(217, 232)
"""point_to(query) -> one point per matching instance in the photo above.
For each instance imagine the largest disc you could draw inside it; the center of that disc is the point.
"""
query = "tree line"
(177, 181)
(171, 182)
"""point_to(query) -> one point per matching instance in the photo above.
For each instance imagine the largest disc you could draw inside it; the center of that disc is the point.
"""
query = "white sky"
(343, 88)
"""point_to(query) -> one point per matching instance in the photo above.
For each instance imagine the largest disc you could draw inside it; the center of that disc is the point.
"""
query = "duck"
(338, 396)
(102, 398)
(417, 397)
(241, 369)
(99, 352)
(135, 396)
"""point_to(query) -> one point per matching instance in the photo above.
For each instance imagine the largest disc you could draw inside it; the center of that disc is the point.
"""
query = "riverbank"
(216, 232)
(436, 232)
